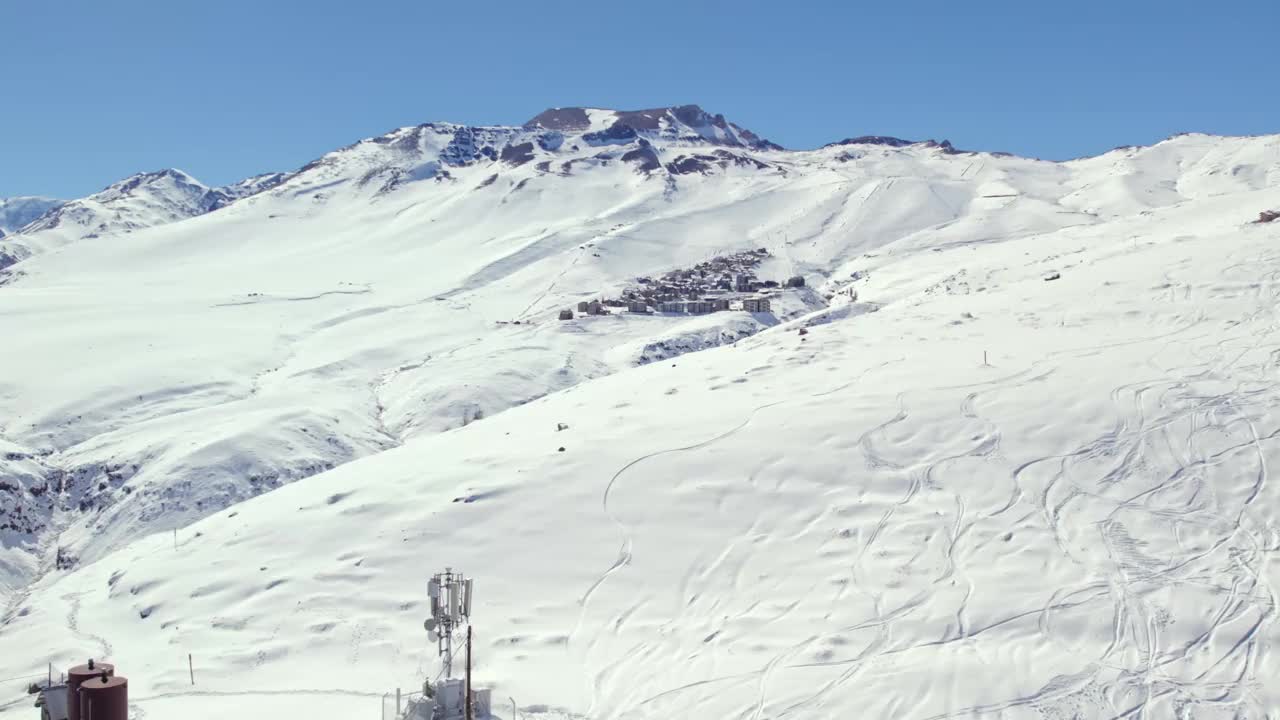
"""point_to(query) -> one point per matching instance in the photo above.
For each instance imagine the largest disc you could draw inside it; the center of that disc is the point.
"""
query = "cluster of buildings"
(715, 285)
(727, 273)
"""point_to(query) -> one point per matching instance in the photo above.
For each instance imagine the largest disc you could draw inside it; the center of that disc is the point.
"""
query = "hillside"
(860, 518)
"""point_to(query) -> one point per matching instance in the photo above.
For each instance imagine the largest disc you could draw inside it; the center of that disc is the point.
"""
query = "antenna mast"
(450, 594)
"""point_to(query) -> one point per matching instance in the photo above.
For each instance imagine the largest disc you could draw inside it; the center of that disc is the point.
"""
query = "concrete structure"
(447, 700)
(720, 304)
(742, 283)
(450, 698)
(699, 307)
(671, 307)
(638, 307)
(582, 306)
(595, 308)
(566, 314)
(756, 305)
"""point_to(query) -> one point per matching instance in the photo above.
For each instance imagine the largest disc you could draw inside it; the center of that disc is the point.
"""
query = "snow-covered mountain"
(141, 201)
(16, 212)
(1003, 455)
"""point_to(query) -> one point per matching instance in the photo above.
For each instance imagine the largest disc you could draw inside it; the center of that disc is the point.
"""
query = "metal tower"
(450, 594)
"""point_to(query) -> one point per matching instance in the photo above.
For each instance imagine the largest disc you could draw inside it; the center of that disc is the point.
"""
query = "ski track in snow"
(1125, 442)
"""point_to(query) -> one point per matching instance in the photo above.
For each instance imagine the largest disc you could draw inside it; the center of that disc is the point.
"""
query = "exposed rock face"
(517, 154)
(702, 163)
(618, 132)
(565, 119)
(883, 140)
(682, 122)
(887, 141)
(645, 158)
(689, 164)
(28, 492)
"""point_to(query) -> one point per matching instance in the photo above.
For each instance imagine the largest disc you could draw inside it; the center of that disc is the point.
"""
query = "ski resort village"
(722, 283)
(636, 414)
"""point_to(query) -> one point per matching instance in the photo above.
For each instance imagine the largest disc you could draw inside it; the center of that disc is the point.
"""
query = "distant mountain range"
(568, 136)
(19, 211)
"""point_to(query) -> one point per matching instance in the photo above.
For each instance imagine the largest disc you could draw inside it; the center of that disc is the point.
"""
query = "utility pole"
(470, 706)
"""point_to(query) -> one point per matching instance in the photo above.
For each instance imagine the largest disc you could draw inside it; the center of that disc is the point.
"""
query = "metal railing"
(397, 705)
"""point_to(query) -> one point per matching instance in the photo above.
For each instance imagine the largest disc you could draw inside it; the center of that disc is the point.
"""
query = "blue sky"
(97, 90)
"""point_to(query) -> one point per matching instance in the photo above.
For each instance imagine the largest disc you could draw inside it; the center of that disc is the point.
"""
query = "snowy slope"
(862, 518)
(18, 211)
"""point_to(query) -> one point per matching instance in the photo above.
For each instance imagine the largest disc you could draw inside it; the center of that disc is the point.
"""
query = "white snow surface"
(860, 520)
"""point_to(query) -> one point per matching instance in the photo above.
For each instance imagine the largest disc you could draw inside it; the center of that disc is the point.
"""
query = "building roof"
(55, 702)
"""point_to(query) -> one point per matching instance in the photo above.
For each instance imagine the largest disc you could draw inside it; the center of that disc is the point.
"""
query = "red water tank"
(104, 697)
(76, 676)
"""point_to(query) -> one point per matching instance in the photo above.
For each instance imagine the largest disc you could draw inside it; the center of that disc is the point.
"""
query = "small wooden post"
(191, 668)
(397, 702)
(470, 706)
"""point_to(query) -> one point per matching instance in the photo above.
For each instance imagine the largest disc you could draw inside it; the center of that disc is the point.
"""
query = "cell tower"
(450, 594)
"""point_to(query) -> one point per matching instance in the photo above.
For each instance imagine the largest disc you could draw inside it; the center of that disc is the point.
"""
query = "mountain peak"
(141, 200)
(675, 122)
(137, 180)
(893, 142)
